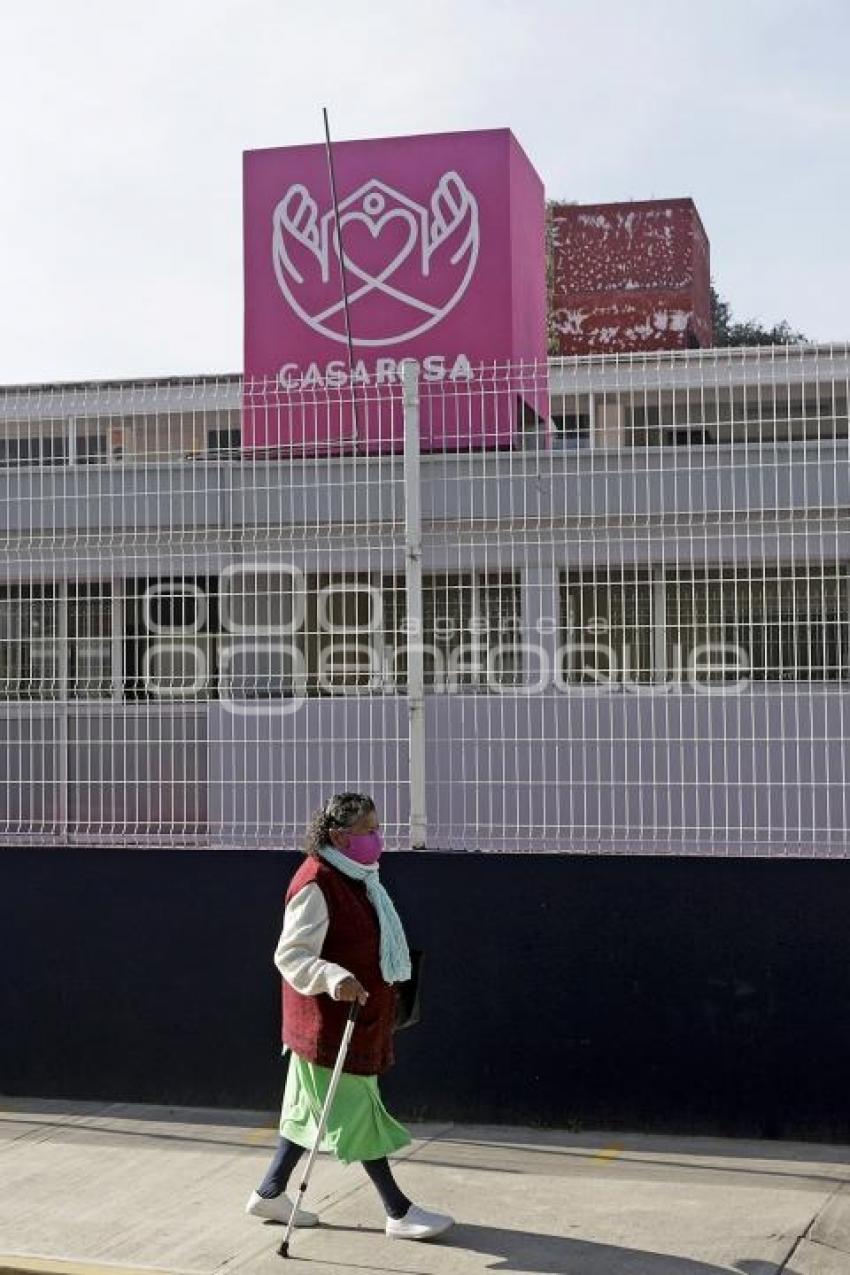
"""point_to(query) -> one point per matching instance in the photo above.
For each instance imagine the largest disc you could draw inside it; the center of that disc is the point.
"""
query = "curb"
(28, 1264)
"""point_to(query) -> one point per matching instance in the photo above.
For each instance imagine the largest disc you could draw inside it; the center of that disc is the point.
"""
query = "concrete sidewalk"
(93, 1187)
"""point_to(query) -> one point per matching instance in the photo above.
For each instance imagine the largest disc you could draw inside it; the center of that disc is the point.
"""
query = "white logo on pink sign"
(407, 265)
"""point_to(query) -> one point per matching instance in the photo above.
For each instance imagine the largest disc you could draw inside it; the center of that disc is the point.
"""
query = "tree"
(729, 332)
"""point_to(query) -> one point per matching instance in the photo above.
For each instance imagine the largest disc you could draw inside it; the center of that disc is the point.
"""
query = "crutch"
(283, 1251)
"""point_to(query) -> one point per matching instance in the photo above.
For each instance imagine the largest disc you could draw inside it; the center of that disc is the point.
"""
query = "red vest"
(313, 1025)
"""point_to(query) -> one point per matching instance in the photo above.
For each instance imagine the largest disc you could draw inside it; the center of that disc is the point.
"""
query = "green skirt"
(359, 1126)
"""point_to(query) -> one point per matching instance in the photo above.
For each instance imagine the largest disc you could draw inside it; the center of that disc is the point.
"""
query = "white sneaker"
(278, 1209)
(418, 1224)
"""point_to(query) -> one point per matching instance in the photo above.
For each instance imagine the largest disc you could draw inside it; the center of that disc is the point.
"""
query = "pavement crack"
(806, 1234)
(831, 1247)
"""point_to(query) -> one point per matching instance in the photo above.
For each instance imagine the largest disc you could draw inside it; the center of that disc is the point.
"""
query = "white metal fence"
(599, 605)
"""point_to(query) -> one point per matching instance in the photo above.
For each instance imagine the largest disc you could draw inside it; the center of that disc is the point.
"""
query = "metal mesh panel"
(595, 605)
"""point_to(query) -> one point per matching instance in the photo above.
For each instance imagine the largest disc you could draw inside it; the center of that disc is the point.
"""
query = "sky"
(122, 128)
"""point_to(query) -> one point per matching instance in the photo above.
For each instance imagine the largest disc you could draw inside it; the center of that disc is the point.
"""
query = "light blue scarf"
(395, 955)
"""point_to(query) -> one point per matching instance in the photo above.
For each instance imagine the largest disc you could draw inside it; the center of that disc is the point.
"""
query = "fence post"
(413, 584)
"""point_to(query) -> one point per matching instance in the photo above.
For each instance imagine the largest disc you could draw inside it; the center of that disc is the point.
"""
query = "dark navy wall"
(690, 995)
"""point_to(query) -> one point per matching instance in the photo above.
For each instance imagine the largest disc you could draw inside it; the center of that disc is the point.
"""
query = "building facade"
(634, 622)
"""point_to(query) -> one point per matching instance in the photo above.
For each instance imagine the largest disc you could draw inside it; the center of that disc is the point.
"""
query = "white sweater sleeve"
(297, 957)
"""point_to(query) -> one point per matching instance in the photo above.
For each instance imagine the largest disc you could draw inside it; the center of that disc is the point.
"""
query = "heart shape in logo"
(360, 249)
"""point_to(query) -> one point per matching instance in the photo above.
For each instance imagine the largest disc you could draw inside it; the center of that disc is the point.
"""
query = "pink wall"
(444, 240)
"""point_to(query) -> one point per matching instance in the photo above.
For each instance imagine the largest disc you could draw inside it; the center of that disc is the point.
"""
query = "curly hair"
(340, 811)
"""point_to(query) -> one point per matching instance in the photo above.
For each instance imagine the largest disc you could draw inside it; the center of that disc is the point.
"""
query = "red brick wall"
(631, 276)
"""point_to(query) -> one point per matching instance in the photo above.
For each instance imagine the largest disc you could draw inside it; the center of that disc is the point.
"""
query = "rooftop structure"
(629, 276)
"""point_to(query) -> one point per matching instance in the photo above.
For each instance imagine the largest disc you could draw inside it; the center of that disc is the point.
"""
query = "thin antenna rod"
(346, 311)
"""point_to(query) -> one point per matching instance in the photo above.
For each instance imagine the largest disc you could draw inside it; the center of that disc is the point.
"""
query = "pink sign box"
(443, 241)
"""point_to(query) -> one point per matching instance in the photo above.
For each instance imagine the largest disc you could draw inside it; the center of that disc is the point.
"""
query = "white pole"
(413, 580)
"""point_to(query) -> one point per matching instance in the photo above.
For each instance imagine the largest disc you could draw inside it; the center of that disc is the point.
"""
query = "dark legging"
(286, 1156)
(289, 1153)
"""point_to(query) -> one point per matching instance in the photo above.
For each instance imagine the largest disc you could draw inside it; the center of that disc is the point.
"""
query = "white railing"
(599, 605)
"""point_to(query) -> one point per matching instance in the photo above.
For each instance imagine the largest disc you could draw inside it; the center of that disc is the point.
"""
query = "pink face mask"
(364, 847)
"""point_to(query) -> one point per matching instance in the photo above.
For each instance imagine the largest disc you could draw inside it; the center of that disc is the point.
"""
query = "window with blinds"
(89, 630)
(29, 645)
(33, 448)
(343, 636)
(451, 657)
(606, 627)
(500, 611)
(56, 643)
(292, 634)
(169, 638)
(777, 625)
(471, 622)
(732, 414)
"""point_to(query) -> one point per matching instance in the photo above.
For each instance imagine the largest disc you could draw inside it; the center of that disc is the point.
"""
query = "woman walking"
(342, 941)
